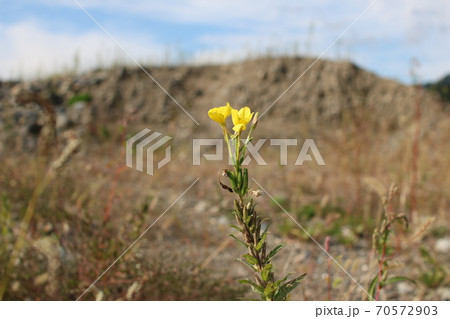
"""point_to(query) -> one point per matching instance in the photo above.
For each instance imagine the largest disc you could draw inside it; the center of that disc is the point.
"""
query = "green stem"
(225, 135)
(238, 146)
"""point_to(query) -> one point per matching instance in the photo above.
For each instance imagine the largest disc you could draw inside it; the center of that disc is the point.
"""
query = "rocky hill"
(97, 102)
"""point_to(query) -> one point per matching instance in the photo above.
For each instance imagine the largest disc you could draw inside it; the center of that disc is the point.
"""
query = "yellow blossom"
(241, 118)
(220, 114)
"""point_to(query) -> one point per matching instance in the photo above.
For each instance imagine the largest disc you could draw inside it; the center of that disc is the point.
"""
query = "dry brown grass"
(95, 208)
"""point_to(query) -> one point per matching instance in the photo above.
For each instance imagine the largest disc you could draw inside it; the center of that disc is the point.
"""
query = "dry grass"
(95, 208)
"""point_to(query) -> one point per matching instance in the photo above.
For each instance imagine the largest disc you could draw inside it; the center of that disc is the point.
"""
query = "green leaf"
(256, 288)
(265, 273)
(268, 291)
(261, 241)
(237, 213)
(84, 97)
(244, 182)
(237, 228)
(278, 282)
(239, 179)
(232, 180)
(274, 251)
(285, 289)
(230, 175)
(373, 286)
(398, 279)
(252, 260)
(246, 263)
(243, 244)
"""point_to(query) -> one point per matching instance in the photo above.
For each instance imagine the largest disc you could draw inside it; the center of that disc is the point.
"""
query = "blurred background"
(73, 90)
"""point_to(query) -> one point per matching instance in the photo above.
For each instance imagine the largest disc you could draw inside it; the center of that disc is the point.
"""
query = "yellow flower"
(241, 118)
(220, 114)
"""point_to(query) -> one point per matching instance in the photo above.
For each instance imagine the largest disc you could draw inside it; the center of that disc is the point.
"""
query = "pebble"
(444, 293)
(405, 288)
(442, 245)
(41, 279)
(201, 207)
(222, 220)
(15, 286)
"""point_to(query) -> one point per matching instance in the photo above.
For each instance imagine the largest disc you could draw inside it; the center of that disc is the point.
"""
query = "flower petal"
(216, 116)
(226, 110)
(244, 113)
(239, 128)
(235, 116)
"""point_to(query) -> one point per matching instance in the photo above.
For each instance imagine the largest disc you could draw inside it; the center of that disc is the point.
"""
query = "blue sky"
(40, 37)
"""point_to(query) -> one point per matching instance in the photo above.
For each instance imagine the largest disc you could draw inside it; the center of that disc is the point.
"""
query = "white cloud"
(384, 40)
(29, 51)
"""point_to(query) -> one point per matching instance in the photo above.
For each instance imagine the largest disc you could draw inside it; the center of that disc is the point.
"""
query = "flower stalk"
(250, 225)
(383, 250)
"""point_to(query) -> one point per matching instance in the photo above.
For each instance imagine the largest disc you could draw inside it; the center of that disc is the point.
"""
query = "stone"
(442, 245)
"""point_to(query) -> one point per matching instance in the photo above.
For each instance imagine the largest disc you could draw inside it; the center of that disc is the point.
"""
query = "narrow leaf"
(373, 286)
(252, 260)
(398, 279)
(244, 182)
(273, 252)
(246, 263)
(285, 289)
(242, 243)
(278, 282)
(261, 241)
(265, 273)
(269, 290)
(255, 287)
(237, 228)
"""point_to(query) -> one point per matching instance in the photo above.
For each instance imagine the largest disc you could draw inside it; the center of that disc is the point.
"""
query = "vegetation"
(93, 207)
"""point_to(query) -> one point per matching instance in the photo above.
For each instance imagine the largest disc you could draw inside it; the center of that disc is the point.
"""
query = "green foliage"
(433, 274)
(273, 252)
(83, 97)
(6, 232)
(250, 224)
(330, 220)
(382, 247)
(439, 231)
(5, 215)
(441, 87)
(307, 212)
(283, 290)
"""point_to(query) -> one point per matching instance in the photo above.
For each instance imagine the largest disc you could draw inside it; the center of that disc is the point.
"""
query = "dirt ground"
(369, 133)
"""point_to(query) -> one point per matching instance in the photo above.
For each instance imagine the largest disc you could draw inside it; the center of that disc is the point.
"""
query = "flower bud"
(255, 120)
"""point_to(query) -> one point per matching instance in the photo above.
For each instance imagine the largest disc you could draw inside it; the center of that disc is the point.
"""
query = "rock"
(41, 279)
(348, 234)
(444, 293)
(201, 207)
(132, 290)
(442, 245)
(15, 285)
(51, 248)
(223, 220)
(405, 288)
(99, 295)
(62, 120)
